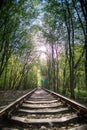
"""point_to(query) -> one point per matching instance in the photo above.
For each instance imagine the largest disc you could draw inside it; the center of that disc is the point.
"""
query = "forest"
(44, 43)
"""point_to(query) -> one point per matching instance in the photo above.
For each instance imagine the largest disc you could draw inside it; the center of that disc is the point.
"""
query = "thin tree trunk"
(86, 56)
(69, 25)
(49, 75)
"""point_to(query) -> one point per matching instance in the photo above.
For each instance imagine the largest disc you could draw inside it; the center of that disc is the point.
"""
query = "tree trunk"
(70, 29)
(86, 56)
(49, 75)
(53, 67)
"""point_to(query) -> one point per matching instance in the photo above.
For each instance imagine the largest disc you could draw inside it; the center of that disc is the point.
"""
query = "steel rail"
(42, 106)
(81, 109)
(6, 112)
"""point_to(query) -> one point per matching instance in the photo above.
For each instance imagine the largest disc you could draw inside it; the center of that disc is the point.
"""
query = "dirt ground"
(6, 97)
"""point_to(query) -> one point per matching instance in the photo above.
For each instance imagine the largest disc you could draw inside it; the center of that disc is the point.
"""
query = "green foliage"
(61, 20)
(43, 69)
(32, 77)
(16, 47)
(66, 55)
(11, 75)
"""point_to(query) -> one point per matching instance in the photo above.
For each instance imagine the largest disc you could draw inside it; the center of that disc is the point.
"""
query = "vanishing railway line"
(42, 109)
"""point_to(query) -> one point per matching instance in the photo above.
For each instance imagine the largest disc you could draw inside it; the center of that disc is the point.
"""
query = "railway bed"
(41, 109)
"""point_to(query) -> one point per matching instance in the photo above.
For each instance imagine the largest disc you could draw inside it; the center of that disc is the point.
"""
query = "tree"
(15, 31)
(61, 17)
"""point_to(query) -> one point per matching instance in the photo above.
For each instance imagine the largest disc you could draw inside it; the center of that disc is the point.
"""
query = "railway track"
(42, 109)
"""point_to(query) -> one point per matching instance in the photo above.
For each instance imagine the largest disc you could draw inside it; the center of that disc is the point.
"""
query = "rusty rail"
(81, 109)
(42, 106)
(6, 112)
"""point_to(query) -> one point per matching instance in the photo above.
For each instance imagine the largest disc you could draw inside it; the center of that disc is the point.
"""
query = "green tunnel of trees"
(63, 25)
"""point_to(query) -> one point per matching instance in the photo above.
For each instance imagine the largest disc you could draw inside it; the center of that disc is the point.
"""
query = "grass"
(81, 93)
